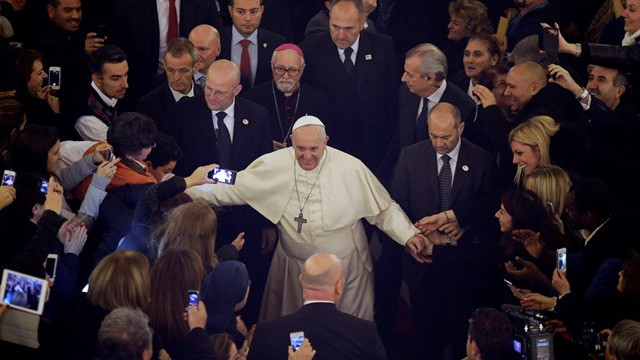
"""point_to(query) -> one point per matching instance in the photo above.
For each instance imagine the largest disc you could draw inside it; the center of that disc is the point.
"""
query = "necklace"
(300, 219)
(295, 110)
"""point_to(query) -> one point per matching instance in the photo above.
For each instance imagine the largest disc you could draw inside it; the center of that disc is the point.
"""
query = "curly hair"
(475, 15)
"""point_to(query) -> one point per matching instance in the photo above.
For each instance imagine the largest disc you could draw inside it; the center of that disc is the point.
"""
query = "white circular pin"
(465, 168)
(245, 121)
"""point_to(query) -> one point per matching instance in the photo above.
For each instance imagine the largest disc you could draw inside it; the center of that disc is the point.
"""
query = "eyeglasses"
(280, 70)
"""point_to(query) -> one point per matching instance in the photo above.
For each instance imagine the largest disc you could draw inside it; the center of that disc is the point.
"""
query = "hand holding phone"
(193, 297)
(561, 259)
(548, 39)
(224, 176)
(55, 77)
(8, 177)
(296, 338)
(51, 266)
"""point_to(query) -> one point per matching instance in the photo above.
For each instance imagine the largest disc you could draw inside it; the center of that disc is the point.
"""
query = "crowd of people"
(472, 141)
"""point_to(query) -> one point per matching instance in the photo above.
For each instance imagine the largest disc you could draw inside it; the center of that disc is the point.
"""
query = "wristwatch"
(578, 49)
(584, 94)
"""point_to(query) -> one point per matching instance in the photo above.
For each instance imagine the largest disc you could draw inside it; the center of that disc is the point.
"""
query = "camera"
(593, 342)
(530, 341)
(224, 176)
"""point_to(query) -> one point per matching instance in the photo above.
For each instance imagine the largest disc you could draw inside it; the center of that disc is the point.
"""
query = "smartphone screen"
(223, 176)
(8, 177)
(562, 259)
(44, 186)
(296, 339)
(193, 297)
(51, 265)
(54, 77)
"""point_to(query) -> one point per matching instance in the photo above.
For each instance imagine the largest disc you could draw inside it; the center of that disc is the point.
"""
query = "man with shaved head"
(334, 334)
(206, 40)
(529, 93)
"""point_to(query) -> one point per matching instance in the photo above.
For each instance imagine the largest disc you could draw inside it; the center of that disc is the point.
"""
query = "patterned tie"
(445, 183)
(201, 81)
(245, 60)
(421, 122)
(348, 64)
(224, 140)
(172, 31)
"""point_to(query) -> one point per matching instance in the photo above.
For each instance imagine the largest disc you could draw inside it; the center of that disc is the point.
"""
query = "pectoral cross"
(300, 220)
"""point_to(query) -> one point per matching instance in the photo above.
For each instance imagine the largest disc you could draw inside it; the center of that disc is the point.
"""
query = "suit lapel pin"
(264, 45)
(368, 57)
(465, 168)
(245, 121)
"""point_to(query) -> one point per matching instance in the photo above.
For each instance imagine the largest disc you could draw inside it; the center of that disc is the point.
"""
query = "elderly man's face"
(520, 89)
(220, 89)
(309, 146)
(179, 72)
(246, 15)
(345, 24)
(208, 47)
(67, 15)
(287, 70)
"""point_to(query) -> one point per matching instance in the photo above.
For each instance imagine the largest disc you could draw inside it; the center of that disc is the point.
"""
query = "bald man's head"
(206, 40)
(222, 85)
(523, 82)
(321, 277)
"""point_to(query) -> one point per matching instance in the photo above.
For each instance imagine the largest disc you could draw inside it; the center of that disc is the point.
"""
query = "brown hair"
(475, 13)
(120, 280)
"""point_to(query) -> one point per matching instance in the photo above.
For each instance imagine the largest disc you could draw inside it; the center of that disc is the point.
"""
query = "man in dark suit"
(179, 65)
(448, 187)
(361, 86)
(141, 29)
(222, 128)
(333, 334)
(246, 16)
(286, 97)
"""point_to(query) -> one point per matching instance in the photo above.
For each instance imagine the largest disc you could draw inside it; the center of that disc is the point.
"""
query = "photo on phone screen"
(51, 265)
(224, 176)
(54, 77)
(562, 259)
(23, 292)
(44, 186)
(193, 297)
(8, 177)
(296, 339)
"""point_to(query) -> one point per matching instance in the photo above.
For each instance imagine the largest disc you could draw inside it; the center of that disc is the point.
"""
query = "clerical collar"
(111, 102)
(318, 302)
(236, 37)
(178, 95)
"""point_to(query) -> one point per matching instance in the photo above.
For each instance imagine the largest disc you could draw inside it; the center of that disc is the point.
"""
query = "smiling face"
(601, 85)
(477, 58)
(504, 219)
(309, 144)
(37, 77)
(520, 89)
(457, 28)
(525, 156)
(631, 15)
(67, 15)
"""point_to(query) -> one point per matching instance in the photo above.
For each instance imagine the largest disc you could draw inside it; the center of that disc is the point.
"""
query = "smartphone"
(549, 206)
(101, 31)
(8, 177)
(562, 259)
(224, 176)
(296, 338)
(548, 40)
(508, 282)
(110, 155)
(51, 265)
(44, 186)
(193, 297)
(55, 77)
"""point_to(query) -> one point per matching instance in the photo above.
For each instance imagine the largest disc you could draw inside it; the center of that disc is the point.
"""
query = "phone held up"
(296, 338)
(55, 77)
(51, 266)
(193, 297)
(8, 177)
(561, 259)
(548, 40)
(224, 176)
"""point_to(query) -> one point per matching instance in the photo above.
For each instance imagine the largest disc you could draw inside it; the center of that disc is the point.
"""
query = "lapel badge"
(465, 168)
(264, 45)
(245, 121)
(368, 57)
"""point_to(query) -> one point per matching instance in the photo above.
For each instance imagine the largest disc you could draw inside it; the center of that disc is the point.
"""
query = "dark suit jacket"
(362, 111)
(312, 102)
(407, 114)
(159, 102)
(475, 199)
(135, 29)
(192, 128)
(267, 42)
(333, 334)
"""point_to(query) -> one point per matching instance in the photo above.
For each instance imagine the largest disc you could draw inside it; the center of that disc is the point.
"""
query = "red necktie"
(172, 31)
(245, 60)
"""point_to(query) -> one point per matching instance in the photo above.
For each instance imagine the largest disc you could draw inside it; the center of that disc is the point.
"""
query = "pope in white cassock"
(316, 195)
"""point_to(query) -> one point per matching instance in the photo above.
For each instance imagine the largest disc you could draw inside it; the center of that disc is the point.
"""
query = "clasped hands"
(438, 229)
